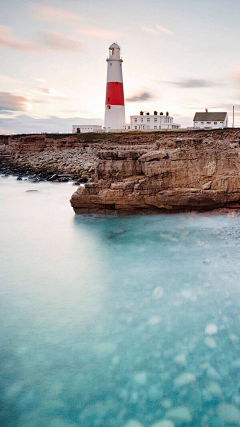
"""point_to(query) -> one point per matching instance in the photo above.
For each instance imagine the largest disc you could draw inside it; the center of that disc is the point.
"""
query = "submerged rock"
(180, 359)
(179, 414)
(166, 403)
(212, 391)
(228, 413)
(211, 329)
(210, 342)
(163, 423)
(133, 423)
(184, 379)
(140, 378)
(158, 293)
(154, 320)
(212, 374)
(59, 422)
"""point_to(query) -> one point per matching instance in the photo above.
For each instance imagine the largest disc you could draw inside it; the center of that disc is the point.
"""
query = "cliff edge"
(198, 170)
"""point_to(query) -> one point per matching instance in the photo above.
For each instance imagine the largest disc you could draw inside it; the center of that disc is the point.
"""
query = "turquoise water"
(116, 322)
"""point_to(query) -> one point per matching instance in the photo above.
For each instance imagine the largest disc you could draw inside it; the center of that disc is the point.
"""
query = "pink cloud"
(164, 30)
(10, 102)
(60, 16)
(61, 42)
(9, 79)
(98, 32)
(51, 14)
(9, 41)
(49, 41)
(53, 93)
(157, 29)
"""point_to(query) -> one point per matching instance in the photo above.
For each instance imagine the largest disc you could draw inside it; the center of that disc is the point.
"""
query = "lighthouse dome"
(114, 52)
(114, 45)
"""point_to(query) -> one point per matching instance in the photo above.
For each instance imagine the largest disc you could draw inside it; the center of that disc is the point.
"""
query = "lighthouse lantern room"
(114, 105)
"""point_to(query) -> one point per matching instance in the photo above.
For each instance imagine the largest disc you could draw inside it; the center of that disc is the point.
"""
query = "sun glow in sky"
(179, 56)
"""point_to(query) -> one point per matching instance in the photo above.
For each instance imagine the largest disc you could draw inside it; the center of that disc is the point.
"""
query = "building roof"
(209, 117)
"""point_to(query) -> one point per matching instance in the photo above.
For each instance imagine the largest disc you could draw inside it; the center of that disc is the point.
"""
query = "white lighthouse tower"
(114, 106)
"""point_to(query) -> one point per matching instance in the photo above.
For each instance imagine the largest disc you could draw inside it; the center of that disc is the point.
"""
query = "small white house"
(155, 121)
(210, 120)
(85, 128)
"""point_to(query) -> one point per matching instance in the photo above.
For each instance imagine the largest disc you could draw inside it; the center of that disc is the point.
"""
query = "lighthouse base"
(114, 118)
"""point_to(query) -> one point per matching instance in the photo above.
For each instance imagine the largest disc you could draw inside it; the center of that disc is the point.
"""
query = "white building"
(210, 120)
(114, 104)
(147, 122)
(85, 128)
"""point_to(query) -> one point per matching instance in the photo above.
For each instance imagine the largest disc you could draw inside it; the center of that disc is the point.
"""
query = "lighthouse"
(114, 105)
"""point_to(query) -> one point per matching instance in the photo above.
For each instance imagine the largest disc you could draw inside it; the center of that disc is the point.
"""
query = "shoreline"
(135, 173)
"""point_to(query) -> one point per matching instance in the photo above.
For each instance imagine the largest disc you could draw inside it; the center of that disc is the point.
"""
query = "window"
(215, 123)
(135, 120)
(159, 127)
(148, 127)
(148, 119)
(155, 127)
(110, 63)
(135, 127)
(155, 119)
(141, 120)
(108, 107)
(221, 122)
(208, 123)
(201, 123)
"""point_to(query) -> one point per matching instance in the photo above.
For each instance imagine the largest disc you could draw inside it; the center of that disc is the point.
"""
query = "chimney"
(141, 113)
(161, 114)
(167, 113)
(206, 110)
(155, 113)
(147, 114)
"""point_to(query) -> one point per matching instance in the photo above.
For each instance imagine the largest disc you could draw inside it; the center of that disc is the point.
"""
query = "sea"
(110, 321)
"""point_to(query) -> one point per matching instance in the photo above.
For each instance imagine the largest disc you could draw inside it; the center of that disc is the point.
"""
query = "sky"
(178, 56)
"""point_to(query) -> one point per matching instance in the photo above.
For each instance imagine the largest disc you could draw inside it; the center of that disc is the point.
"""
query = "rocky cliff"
(196, 170)
(60, 157)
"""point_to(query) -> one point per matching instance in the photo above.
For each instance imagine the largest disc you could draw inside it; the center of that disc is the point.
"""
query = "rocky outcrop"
(60, 157)
(191, 171)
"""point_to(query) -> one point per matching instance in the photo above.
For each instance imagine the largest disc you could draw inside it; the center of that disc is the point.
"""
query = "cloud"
(57, 41)
(164, 30)
(143, 96)
(53, 93)
(9, 102)
(51, 14)
(36, 79)
(49, 41)
(9, 41)
(9, 113)
(9, 79)
(157, 29)
(99, 32)
(195, 83)
(75, 20)
(26, 124)
(235, 73)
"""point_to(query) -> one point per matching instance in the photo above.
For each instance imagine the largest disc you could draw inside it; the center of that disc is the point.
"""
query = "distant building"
(85, 128)
(210, 120)
(148, 122)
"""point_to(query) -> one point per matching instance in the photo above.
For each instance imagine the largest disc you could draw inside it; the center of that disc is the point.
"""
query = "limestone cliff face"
(195, 171)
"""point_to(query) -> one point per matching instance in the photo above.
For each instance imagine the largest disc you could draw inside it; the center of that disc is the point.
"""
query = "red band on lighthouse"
(114, 93)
